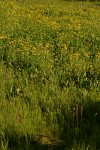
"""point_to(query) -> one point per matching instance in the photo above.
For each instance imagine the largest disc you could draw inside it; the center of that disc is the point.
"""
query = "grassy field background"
(49, 75)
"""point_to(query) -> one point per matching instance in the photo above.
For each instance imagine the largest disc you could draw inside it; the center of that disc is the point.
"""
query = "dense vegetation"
(49, 75)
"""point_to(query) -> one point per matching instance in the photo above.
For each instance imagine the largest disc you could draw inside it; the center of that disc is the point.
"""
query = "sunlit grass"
(49, 63)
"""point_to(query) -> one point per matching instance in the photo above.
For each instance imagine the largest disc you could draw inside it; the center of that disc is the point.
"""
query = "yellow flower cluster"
(35, 28)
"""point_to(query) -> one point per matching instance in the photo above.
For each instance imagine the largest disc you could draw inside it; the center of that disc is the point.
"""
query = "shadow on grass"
(87, 133)
(86, 130)
(27, 142)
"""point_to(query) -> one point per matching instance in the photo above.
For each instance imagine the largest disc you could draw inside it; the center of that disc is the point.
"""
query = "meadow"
(49, 75)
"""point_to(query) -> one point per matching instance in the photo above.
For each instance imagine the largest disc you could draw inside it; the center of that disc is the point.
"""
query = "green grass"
(49, 64)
